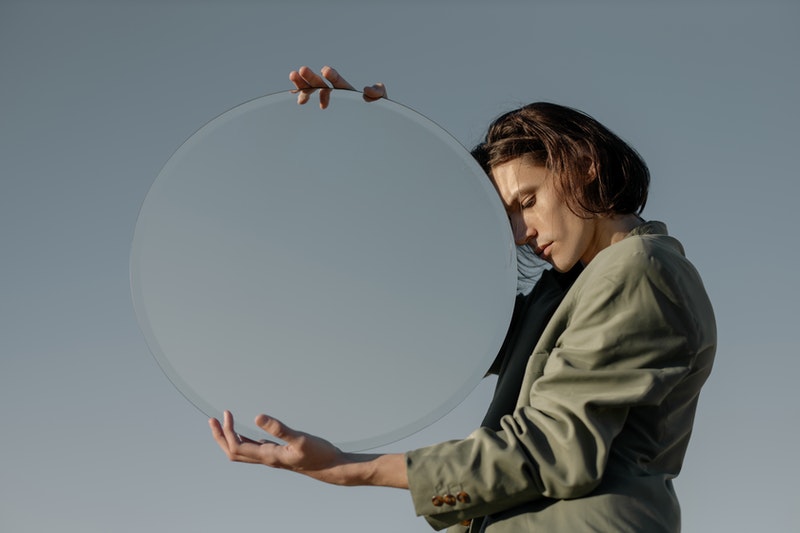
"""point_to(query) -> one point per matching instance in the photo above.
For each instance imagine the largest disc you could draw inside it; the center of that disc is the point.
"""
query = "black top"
(531, 314)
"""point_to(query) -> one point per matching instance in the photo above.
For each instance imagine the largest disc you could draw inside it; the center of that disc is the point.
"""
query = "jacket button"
(437, 501)
(463, 497)
(449, 499)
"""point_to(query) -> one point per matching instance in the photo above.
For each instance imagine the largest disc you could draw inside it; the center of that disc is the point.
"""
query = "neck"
(611, 230)
(621, 225)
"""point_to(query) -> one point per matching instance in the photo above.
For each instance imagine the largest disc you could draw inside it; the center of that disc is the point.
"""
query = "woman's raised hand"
(307, 82)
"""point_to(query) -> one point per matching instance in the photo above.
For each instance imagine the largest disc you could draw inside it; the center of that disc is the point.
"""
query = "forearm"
(378, 470)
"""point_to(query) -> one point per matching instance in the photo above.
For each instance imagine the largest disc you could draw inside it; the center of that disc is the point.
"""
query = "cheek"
(553, 224)
(581, 233)
(574, 234)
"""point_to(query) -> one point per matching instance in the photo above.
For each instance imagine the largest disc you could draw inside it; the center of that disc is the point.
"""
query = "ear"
(586, 162)
(591, 173)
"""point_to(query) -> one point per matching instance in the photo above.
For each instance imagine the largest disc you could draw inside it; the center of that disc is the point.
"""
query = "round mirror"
(350, 271)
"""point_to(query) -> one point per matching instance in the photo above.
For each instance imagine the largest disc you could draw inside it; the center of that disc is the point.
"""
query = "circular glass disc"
(349, 271)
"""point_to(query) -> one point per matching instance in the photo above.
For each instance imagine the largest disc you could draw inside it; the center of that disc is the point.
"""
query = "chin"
(560, 266)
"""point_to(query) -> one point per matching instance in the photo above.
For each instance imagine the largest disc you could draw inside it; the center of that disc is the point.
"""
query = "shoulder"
(648, 253)
(647, 277)
(645, 270)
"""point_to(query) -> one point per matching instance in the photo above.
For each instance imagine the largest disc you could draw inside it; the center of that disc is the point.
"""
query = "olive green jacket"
(605, 410)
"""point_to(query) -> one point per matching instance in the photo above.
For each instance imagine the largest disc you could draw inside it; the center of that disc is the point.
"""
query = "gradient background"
(95, 97)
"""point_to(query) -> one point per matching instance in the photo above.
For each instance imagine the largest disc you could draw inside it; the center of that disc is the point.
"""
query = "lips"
(540, 250)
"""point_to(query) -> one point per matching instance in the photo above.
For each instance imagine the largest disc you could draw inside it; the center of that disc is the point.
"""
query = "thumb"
(374, 92)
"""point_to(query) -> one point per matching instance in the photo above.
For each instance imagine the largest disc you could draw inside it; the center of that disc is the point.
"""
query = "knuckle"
(275, 428)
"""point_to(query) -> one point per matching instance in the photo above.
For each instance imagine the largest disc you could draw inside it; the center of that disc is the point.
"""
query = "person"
(603, 389)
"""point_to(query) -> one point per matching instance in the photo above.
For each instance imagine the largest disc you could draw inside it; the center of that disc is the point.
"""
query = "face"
(540, 218)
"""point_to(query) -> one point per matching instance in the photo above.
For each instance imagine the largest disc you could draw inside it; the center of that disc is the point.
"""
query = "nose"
(522, 231)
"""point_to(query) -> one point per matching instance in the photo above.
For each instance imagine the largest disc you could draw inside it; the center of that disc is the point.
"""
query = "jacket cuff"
(442, 504)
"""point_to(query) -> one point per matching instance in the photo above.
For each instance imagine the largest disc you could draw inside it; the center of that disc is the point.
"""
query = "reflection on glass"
(350, 271)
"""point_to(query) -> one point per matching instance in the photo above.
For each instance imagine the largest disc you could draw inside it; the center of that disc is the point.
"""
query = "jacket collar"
(652, 227)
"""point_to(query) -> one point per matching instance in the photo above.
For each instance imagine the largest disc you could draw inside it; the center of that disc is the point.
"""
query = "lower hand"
(309, 455)
(302, 453)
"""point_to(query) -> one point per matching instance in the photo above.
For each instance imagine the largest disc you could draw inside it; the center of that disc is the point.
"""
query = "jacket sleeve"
(621, 341)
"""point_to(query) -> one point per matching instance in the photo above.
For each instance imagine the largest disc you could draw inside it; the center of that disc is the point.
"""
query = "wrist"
(380, 470)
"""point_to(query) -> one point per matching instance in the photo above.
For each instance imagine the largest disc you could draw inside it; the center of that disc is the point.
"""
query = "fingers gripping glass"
(349, 271)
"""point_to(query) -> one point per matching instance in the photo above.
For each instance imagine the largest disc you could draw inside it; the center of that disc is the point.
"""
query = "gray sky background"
(95, 97)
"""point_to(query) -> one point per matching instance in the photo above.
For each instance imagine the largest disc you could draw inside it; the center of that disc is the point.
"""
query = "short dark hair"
(596, 172)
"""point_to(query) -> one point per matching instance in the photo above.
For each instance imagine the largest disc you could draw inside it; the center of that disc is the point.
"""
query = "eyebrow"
(507, 206)
(527, 189)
